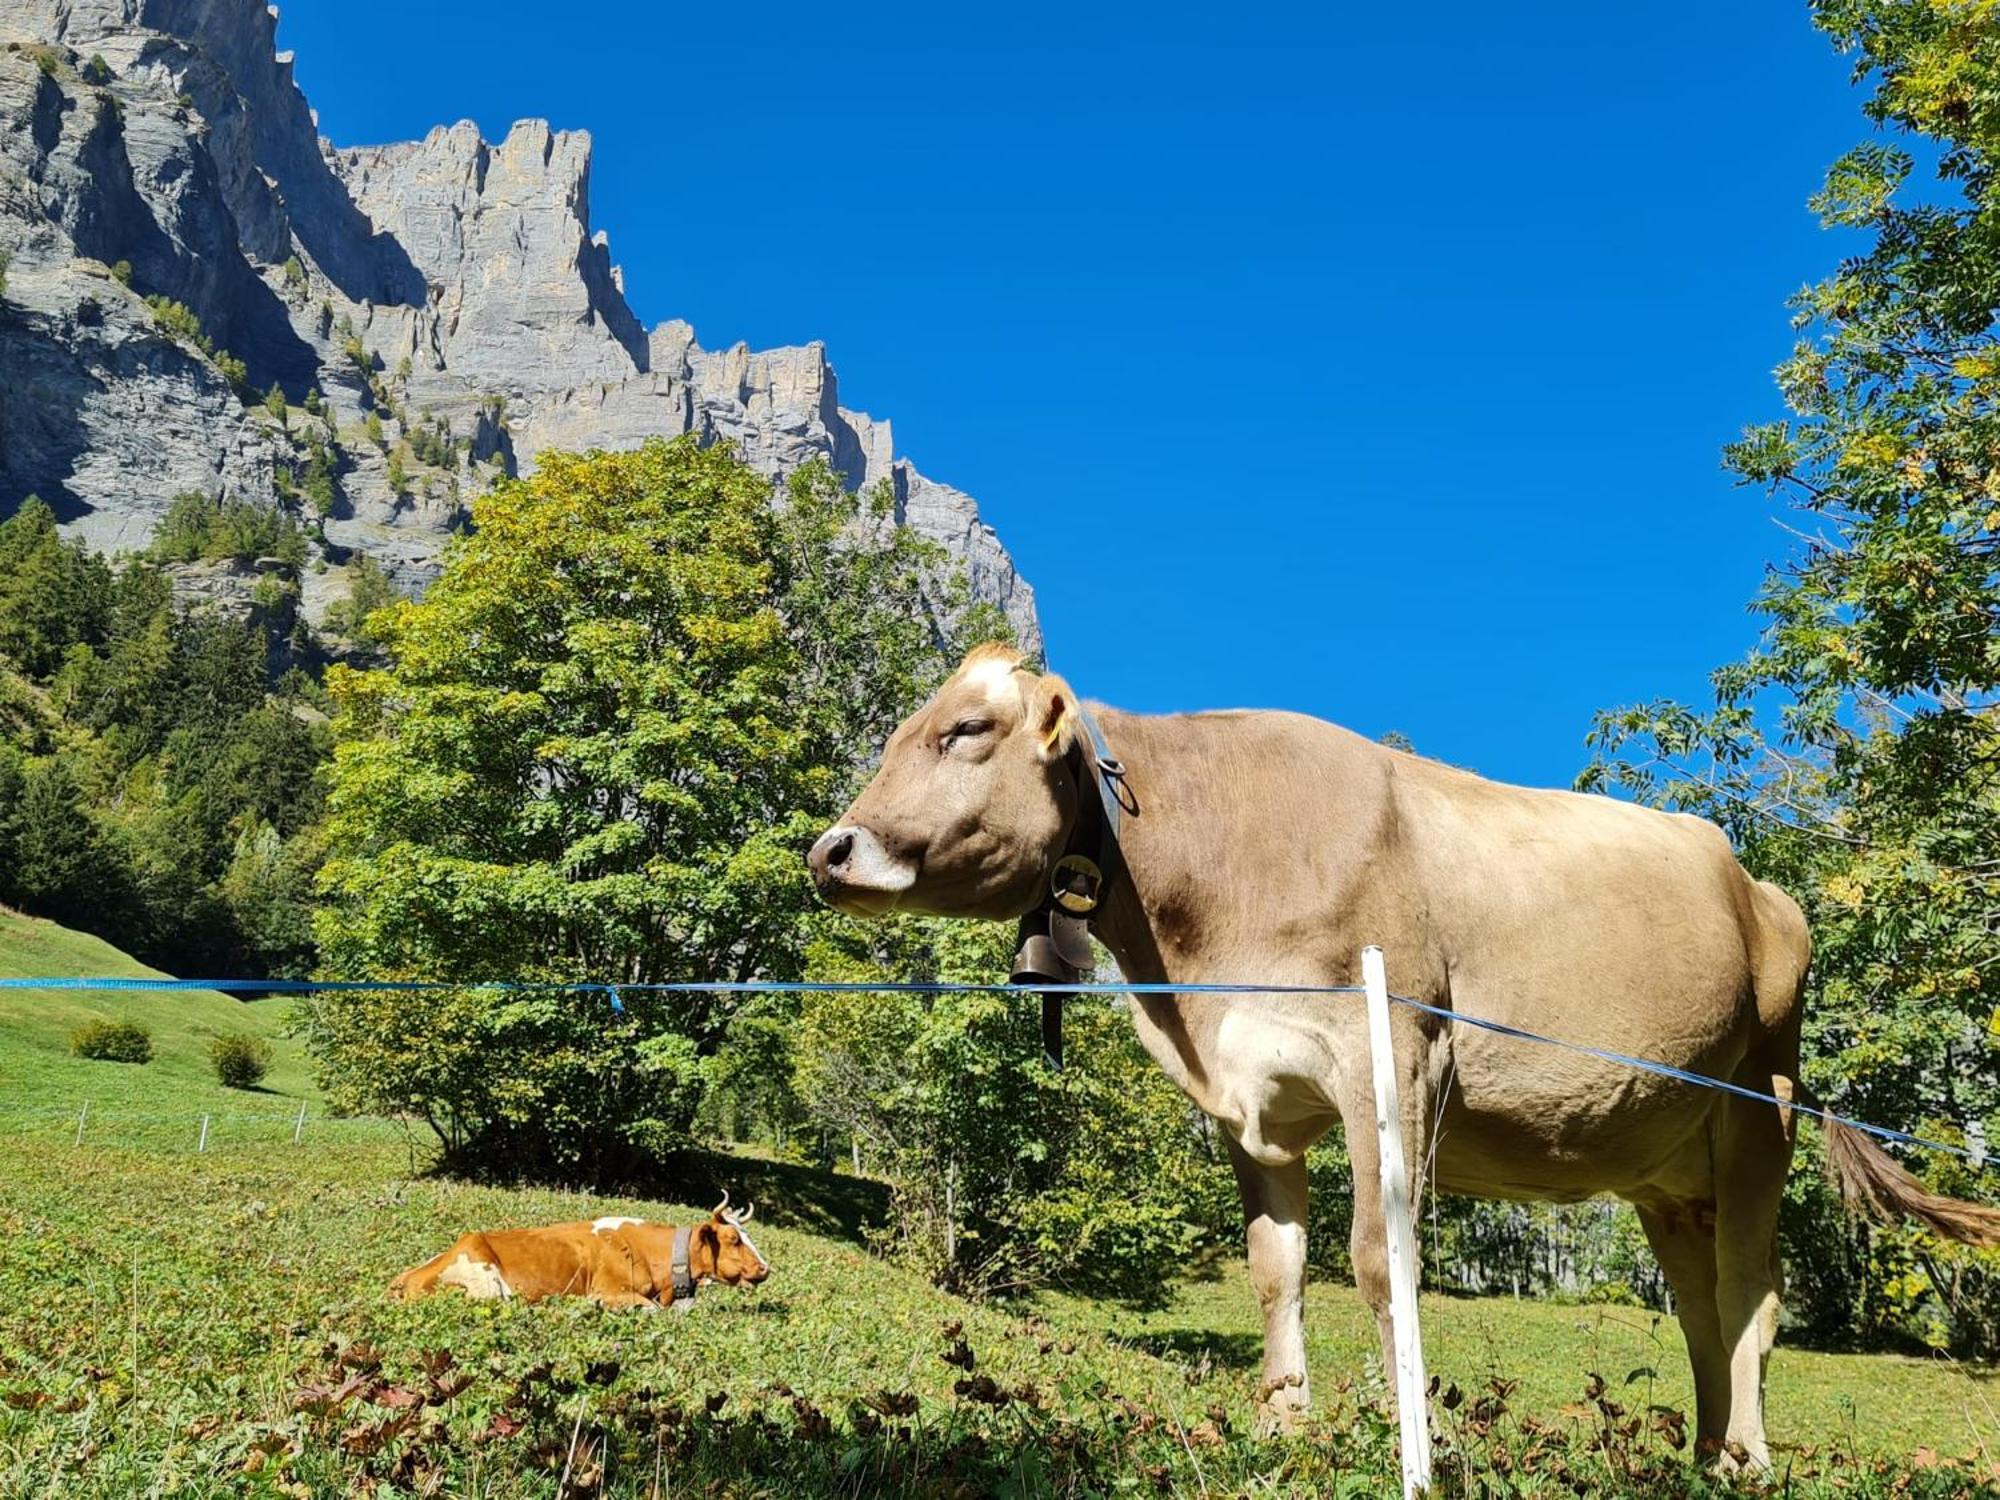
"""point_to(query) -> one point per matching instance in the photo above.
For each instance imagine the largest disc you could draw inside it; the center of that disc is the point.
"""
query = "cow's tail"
(1871, 1183)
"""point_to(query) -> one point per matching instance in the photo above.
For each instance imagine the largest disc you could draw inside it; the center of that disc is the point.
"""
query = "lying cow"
(616, 1261)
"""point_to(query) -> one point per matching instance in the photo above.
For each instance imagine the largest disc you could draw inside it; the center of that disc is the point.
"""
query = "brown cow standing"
(617, 1261)
(1270, 848)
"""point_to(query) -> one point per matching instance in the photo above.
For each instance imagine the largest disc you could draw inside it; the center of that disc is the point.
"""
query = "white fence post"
(202, 1144)
(81, 1117)
(299, 1125)
(1412, 1394)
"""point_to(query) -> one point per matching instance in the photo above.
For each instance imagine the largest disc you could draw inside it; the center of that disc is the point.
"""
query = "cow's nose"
(830, 854)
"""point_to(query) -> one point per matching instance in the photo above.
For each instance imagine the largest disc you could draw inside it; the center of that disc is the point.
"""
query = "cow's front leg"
(1274, 1207)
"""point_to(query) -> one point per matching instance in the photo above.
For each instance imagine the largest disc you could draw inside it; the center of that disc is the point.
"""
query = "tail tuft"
(1871, 1182)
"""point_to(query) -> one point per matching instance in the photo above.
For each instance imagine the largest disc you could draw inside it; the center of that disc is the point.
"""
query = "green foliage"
(317, 478)
(275, 404)
(1852, 753)
(97, 71)
(112, 1041)
(240, 1059)
(121, 272)
(398, 476)
(6, 260)
(598, 750)
(1006, 1175)
(373, 427)
(295, 274)
(198, 527)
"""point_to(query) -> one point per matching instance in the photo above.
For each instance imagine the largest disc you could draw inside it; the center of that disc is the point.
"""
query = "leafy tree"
(597, 751)
(1854, 753)
(275, 404)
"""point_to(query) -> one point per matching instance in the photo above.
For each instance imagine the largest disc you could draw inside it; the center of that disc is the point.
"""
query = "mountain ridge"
(447, 302)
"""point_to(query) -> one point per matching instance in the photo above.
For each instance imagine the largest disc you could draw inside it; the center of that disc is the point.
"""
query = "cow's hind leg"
(1753, 1153)
(1274, 1208)
(1683, 1239)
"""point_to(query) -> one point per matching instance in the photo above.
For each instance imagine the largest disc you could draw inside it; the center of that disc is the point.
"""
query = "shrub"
(5, 261)
(121, 272)
(105, 1040)
(97, 71)
(239, 1059)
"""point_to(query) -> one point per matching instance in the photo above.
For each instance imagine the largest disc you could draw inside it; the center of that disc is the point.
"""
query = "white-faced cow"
(1270, 848)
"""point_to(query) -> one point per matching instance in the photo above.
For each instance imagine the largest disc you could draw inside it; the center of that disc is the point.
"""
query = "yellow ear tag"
(1077, 884)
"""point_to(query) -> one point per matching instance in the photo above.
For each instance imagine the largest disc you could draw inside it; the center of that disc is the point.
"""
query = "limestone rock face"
(445, 302)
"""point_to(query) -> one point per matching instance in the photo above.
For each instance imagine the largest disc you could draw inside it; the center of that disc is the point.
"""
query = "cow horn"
(748, 1210)
(722, 1208)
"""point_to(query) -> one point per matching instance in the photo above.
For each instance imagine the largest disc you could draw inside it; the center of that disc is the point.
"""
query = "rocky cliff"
(181, 239)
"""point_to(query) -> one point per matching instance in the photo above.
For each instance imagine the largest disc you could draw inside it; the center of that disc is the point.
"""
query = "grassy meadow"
(174, 1323)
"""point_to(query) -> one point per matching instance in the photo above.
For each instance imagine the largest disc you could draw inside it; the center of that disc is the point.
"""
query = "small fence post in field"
(202, 1144)
(81, 1117)
(299, 1125)
(1412, 1394)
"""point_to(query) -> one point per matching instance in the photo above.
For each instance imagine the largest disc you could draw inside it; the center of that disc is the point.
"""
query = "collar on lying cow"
(1055, 936)
(684, 1283)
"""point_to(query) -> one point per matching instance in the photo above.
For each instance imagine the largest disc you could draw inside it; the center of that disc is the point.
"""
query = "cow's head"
(971, 804)
(736, 1261)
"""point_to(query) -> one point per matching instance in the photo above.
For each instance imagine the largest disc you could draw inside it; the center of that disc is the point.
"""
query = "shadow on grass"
(788, 1194)
(1227, 1351)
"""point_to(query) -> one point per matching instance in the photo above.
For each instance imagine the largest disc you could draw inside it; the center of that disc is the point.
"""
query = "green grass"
(183, 1324)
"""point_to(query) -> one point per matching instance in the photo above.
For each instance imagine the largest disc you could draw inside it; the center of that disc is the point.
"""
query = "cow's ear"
(1052, 717)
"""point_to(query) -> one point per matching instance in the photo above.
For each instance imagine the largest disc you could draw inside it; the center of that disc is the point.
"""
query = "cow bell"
(1055, 949)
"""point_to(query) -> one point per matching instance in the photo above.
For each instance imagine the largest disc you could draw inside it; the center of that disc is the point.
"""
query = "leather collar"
(1055, 936)
(684, 1282)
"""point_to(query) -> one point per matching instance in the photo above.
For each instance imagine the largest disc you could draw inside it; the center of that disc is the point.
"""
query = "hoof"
(1282, 1406)
(1731, 1459)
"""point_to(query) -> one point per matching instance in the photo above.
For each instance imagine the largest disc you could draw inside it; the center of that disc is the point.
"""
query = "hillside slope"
(38, 1073)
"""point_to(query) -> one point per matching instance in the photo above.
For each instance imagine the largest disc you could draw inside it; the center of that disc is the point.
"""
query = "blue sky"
(1369, 360)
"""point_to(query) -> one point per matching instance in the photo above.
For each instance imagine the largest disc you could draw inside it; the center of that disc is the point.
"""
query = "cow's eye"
(966, 729)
